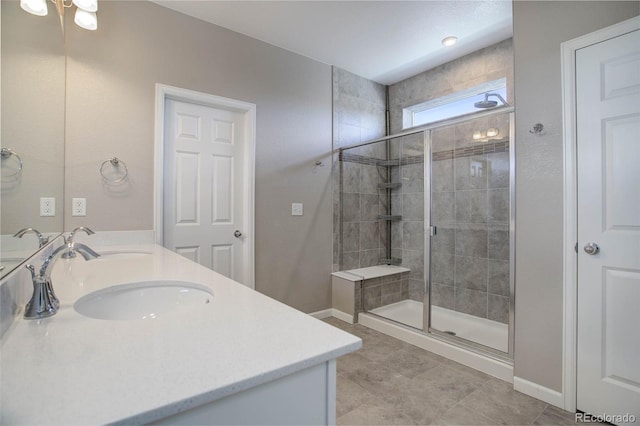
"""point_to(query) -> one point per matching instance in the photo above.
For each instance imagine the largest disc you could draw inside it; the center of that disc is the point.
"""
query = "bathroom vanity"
(239, 357)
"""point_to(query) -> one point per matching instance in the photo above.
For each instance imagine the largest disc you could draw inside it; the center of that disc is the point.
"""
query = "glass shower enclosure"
(438, 201)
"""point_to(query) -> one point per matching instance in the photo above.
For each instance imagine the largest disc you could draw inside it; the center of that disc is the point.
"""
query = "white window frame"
(409, 113)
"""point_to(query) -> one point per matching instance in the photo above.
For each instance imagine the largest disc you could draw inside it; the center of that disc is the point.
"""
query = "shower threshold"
(479, 330)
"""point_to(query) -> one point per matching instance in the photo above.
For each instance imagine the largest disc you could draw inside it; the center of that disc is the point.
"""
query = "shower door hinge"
(432, 231)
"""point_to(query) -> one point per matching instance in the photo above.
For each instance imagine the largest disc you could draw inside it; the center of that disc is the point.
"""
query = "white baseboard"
(542, 393)
(333, 313)
(342, 316)
(322, 314)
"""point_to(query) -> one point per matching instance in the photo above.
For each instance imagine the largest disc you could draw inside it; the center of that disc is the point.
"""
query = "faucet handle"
(31, 268)
(69, 238)
(43, 240)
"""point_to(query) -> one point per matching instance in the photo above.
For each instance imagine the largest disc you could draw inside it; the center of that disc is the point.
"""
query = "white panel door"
(608, 146)
(204, 184)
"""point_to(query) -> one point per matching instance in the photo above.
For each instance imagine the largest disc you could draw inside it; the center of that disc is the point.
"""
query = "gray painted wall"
(32, 119)
(539, 29)
(111, 75)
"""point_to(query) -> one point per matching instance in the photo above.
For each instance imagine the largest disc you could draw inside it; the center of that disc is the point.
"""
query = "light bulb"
(493, 132)
(88, 5)
(35, 7)
(477, 135)
(86, 20)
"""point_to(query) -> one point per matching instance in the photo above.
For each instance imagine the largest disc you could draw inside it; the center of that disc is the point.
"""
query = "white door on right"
(608, 147)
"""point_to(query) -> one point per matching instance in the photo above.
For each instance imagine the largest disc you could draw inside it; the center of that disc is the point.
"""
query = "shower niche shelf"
(390, 185)
(393, 217)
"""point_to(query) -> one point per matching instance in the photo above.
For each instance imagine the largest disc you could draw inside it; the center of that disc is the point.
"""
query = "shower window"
(451, 106)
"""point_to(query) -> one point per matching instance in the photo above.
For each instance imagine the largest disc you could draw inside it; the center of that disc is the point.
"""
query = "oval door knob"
(591, 248)
(237, 234)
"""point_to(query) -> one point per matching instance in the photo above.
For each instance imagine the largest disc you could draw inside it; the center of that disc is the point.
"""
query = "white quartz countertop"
(73, 370)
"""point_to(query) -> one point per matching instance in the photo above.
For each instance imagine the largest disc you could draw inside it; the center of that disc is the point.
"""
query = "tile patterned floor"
(390, 382)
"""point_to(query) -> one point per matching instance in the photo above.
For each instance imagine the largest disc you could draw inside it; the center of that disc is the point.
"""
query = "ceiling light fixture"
(85, 16)
(449, 41)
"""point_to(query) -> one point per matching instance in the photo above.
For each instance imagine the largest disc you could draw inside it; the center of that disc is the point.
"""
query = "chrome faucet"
(41, 238)
(44, 302)
(68, 240)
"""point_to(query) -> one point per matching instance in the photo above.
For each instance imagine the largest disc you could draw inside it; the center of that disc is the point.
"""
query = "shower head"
(486, 103)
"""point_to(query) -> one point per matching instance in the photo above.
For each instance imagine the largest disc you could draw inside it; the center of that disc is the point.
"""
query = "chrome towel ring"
(117, 164)
(6, 153)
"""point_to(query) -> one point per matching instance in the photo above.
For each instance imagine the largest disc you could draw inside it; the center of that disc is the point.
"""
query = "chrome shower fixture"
(486, 103)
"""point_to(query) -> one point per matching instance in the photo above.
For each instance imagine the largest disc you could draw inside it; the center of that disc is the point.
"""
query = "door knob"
(591, 248)
(237, 234)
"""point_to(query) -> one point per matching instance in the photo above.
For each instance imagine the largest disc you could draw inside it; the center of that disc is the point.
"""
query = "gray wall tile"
(470, 172)
(498, 205)
(442, 208)
(369, 207)
(471, 206)
(444, 240)
(498, 168)
(351, 236)
(442, 268)
(371, 176)
(350, 177)
(351, 207)
(413, 178)
(442, 176)
(369, 235)
(471, 302)
(416, 290)
(471, 273)
(471, 241)
(498, 247)
(413, 235)
(413, 206)
(498, 277)
(498, 308)
(442, 295)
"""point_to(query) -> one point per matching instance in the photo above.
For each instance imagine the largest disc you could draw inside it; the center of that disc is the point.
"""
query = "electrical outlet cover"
(78, 207)
(47, 206)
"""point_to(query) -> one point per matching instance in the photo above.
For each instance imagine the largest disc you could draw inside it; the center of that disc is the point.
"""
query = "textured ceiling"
(385, 41)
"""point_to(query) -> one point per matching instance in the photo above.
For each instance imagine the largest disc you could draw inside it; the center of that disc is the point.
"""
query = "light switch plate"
(47, 206)
(78, 207)
(296, 209)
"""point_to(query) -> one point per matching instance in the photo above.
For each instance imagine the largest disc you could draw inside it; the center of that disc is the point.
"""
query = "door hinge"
(432, 231)
(576, 247)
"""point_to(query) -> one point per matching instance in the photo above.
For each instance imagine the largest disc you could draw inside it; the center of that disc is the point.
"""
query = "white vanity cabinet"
(307, 397)
(243, 358)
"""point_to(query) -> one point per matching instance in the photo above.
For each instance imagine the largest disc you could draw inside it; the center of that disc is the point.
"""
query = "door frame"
(164, 92)
(570, 228)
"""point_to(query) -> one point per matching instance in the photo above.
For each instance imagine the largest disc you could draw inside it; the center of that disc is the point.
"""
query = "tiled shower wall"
(359, 107)
(470, 205)
(407, 236)
(488, 64)
(485, 297)
(359, 115)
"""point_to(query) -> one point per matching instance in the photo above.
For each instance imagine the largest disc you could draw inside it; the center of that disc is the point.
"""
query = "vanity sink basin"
(144, 300)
